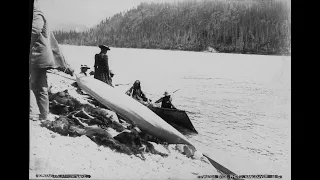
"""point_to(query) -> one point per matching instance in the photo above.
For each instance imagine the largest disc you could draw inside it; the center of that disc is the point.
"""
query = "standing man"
(101, 65)
(44, 54)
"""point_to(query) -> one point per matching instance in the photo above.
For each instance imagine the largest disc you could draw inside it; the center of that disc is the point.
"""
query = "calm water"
(239, 104)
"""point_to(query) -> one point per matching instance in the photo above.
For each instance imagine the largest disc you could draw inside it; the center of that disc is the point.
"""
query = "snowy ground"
(51, 153)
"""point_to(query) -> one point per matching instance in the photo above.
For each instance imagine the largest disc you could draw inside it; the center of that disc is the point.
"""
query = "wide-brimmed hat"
(84, 67)
(104, 47)
(166, 93)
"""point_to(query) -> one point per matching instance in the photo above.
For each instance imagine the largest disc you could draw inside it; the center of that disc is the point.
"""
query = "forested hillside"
(236, 26)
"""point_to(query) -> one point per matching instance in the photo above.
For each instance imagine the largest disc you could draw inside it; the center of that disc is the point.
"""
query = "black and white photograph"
(160, 89)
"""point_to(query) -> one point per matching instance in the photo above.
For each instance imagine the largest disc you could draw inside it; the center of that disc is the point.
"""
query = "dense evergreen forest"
(233, 26)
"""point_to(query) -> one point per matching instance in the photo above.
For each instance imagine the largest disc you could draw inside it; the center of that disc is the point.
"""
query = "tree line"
(232, 26)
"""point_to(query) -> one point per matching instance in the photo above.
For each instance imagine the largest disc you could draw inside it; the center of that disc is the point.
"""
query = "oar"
(60, 75)
(171, 93)
(175, 91)
(121, 84)
(221, 168)
(75, 80)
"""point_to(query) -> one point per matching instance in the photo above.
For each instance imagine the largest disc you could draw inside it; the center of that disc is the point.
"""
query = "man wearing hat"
(101, 65)
(166, 101)
(84, 69)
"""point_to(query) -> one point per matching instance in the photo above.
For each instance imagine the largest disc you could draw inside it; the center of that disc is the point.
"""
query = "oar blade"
(219, 167)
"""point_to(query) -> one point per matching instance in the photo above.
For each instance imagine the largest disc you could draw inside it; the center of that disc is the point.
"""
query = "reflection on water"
(239, 104)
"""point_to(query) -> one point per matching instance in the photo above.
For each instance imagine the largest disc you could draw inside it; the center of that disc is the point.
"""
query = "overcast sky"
(87, 12)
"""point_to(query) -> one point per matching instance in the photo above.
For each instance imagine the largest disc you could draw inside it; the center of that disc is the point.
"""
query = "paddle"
(175, 91)
(121, 84)
(60, 75)
(221, 168)
(75, 80)
(170, 93)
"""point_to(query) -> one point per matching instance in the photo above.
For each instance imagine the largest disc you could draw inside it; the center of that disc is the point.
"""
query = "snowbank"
(51, 153)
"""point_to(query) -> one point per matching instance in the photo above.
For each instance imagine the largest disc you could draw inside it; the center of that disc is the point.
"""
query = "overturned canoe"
(174, 117)
(131, 110)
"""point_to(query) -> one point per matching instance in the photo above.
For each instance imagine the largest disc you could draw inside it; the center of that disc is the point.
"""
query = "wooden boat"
(174, 117)
(134, 111)
(131, 110)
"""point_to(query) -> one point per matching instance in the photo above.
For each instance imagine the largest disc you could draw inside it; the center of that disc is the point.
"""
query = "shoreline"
(52, 153)
(181, 50)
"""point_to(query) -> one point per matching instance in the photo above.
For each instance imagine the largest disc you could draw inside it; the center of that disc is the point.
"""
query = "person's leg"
(40, 90)
(34, 109)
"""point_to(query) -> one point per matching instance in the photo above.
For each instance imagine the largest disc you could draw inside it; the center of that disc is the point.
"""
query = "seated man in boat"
(136, 92)
(166, 101)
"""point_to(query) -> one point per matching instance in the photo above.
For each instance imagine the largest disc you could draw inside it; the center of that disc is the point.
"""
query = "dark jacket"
(101, 68)
(166, 102)
(44, 48)
(101, 63)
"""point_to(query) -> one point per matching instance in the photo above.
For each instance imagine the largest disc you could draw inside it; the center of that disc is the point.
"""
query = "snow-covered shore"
(52, 153)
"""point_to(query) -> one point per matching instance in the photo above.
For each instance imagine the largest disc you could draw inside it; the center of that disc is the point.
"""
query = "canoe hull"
(174, 116)
(131, 110)
(134, 111)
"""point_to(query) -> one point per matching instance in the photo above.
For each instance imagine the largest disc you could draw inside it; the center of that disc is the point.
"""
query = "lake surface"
(239, 104)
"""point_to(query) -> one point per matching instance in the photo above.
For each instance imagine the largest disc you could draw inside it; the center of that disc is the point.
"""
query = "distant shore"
(243, 27)
(208, 50)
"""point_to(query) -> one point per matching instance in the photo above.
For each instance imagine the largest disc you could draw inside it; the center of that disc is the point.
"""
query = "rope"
(60, 75)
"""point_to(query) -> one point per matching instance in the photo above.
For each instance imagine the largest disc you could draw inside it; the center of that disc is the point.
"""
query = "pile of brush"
(101, 125)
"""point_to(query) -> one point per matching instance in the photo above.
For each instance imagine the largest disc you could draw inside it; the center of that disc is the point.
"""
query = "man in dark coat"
(84, 69)
(44, 54)
(166, 101)
(101, 65)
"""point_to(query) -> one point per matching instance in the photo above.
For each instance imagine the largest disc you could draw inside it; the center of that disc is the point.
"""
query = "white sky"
(87, 12)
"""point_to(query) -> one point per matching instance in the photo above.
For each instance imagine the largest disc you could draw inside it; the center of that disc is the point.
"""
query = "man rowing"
(166, 101)
(101, 65)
